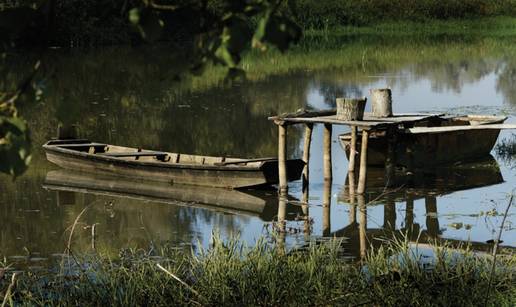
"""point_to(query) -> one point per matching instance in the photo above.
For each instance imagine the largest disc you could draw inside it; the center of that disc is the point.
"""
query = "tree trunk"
(351, 108)
(381, 100)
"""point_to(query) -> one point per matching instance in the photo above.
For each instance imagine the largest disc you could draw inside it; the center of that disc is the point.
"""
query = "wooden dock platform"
(329, 118)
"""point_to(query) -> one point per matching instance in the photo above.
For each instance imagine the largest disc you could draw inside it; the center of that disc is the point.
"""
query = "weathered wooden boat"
(172, 168)
(260, 203)
(441, 140)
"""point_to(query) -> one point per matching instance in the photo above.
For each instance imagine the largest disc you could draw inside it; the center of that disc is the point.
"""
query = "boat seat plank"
(246, 161)
(419, 130)
(157, 154)
(96, 145)
(69, 142)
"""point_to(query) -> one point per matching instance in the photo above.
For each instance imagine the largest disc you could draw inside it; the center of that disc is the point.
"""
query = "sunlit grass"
(230, 273)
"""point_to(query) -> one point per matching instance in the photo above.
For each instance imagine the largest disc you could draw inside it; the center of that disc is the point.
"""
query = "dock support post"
(390, 161)
(410, 167)
(327, 179)
(351, 165)
(409, 216)
(282, 159)
(389, 215)
(432, 223)
(306, 154)
(282, 224)
(362, 225)
(326, 223)
(363, 163)
(327, 153)
(352, 149)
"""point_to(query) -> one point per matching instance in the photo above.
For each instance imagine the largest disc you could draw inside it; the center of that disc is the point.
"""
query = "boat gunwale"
(158, 164)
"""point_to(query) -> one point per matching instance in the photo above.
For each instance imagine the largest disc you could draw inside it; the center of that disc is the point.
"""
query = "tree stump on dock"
(351, 108)
(381, 100)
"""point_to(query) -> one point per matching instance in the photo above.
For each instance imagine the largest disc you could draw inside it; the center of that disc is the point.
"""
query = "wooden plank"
(134, 154)
(70, 141)
(368, 122)
(418, 130)
(304, 113)
(246, 161)
(82, 145)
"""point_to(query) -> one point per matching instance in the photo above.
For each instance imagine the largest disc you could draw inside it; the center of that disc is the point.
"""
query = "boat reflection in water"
(136, 213)
(425, 185)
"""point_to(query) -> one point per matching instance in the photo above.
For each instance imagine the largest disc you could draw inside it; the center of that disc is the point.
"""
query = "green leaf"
(148, 23)
(235, 38)
(15, 146)
(134, 16)
(277, 31)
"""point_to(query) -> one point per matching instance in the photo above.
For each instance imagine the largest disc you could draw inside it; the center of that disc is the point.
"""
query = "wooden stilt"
(352, 149)
(282, 159)
(389, 215)
(362, 226)
(306, 211)
(326, 224)
(410, 167)
(327, 153)
(363, 163)
(432, 223)
(353, 213)
(306, 154)
(409, 216)
(351, 187)
(282, 224)
(390, 161)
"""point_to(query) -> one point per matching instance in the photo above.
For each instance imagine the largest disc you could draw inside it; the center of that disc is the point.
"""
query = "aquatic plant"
(506, 149)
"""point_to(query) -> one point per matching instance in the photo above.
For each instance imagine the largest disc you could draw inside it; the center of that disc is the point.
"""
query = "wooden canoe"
(172, 168)
(260, 203)
(435, 142)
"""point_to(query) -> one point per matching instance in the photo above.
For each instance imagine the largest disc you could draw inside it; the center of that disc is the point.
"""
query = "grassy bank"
(92, 23)
(231, 274)
(483, 26)
(320, 14)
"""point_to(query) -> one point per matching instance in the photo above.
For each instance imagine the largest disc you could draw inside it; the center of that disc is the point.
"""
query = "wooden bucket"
(351, 108)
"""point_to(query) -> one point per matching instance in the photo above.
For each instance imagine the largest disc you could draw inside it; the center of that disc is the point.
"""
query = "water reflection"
(128, 96)
(428, 185)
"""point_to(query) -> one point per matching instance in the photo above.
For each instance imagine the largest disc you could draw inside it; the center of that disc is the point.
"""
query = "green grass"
(324, 14)
(232, 274)
(484, 26)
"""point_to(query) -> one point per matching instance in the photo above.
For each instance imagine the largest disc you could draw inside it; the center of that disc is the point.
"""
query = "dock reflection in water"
(425, 185)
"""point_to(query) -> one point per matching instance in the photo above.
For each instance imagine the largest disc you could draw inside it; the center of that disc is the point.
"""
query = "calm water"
(127, 97)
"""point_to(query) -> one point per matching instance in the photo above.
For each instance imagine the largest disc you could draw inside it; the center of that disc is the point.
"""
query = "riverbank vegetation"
(230, 273)
(74, 23)
(314, 14)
